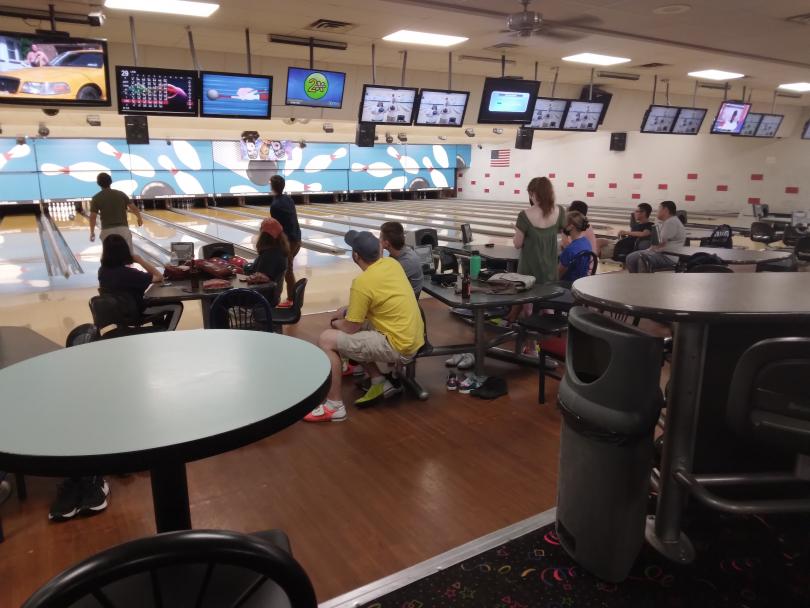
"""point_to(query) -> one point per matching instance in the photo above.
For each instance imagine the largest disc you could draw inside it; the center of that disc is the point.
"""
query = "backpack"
(624, 247)
(702, 258)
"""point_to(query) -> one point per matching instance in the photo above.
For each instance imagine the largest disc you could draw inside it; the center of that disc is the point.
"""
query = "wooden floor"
(361, 499)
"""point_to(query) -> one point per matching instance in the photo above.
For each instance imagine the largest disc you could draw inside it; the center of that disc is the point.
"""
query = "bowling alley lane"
(22, 262)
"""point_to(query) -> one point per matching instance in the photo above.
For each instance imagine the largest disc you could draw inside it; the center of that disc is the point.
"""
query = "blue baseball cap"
(364, 244)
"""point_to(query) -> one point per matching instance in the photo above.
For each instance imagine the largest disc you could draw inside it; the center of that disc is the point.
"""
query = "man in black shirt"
(640, 227)
(282, 208)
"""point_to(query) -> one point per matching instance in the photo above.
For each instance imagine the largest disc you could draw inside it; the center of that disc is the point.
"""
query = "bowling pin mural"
(17, 151)
(440, 154)
(436, 176)
(187, 155)
(82, 171)
(243, 190)
(295, 186)
(185, 181)
(398, 183)
(131, 162)
(127, 186)
(377, 169)
(323, 161)
(409, 164)
(294, 161)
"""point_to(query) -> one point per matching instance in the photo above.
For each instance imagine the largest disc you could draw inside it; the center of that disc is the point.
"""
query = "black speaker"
(365, 135)
(618, 142)
(524, 139)
(137, 129)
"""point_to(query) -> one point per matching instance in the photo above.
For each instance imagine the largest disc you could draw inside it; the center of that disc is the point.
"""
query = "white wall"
(703, 172)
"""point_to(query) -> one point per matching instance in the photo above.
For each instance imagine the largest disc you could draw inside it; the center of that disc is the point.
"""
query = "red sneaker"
(348, 370)
(323, 413)
(285, 304)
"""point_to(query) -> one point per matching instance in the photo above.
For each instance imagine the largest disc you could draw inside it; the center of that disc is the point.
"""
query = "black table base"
(170, 497)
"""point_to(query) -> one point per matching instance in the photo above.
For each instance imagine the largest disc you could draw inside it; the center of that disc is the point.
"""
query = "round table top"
(731, 256)
(715, 297)
(129, 404)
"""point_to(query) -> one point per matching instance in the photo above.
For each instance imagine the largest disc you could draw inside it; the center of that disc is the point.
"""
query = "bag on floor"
(699, 259)
(624, 247)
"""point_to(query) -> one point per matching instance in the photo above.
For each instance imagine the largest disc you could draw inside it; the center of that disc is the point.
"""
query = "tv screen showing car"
(730, 117)
(548, 114)
(437, 108)
(156, 91)
(508, 101)
(769, 125)
(583, 116)
(659, 119)
(46, 70)
(689, 121)
(387, 105)
(315, 88)
(226, 95)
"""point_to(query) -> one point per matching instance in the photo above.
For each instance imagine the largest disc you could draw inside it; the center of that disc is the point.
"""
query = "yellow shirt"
(383, 296)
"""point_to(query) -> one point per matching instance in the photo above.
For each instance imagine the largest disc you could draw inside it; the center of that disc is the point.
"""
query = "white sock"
(334, 404)
(378, 379)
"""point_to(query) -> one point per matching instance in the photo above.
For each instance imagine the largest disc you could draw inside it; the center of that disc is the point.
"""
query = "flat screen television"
(769, 125)
(508, 101)
(548, 113)
(806, 132)
(438, 108)
(751, 124)
(157, 91)
(659, 119)
(730, 117)
(387, 105)
(315, 88)
(47, 70)
(583, 116)
(227, 95)
(689, 121)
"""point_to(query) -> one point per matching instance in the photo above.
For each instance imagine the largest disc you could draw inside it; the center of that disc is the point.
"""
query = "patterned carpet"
(743, 562)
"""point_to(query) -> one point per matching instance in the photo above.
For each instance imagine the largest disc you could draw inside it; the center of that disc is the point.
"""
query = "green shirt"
(112, 206)
(538, 257)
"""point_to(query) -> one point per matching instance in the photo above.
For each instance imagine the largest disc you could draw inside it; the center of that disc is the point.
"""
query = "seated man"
(392, 239)
(640, 228)
(670, 232)
(382, 324)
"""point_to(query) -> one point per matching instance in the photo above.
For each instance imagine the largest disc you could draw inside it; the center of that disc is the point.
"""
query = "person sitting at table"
(392, 239)
(382, 324)
(576, 228)
(671, 233)
(640, 227)
(116, 276)
(582, 207)
(271, 263)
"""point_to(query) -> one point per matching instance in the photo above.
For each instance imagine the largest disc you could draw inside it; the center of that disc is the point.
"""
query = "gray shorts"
(119, 230)
(369, 346)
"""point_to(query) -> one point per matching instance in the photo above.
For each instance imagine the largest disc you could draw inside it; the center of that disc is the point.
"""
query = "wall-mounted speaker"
(618, 142)
(137, 129)
(365, 135)
(524, 138)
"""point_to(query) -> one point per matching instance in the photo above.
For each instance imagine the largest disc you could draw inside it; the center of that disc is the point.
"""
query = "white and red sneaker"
(285, 304)
(325, 413)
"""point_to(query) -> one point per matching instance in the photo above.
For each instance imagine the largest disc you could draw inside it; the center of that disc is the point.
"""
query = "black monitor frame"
(713, 131)
(649, 111)
(598, 122)
(202, 114)
(806, 131)
(700, 126)
(307, 105)
(565, 112)
(417, 105)
(764, 114)
(529, 86)
(382, 86)
(166, 71)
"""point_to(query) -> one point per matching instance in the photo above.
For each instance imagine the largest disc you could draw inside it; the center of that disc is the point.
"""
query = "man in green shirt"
(113, 206)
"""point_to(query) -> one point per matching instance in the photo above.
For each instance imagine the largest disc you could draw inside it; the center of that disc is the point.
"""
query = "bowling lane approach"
(22, 262)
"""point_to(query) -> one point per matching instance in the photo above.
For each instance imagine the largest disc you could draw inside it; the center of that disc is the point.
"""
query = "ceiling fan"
(531, 23)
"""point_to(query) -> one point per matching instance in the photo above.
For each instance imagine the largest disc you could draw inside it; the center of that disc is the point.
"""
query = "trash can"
(610, 401)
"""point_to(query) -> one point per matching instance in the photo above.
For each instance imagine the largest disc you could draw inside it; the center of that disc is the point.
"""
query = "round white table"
(155, 402)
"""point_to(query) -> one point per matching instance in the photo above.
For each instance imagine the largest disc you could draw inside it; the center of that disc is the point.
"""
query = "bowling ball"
(212, 94)
(418, 183)
(153, 189)
(72, 216)
(260, 171)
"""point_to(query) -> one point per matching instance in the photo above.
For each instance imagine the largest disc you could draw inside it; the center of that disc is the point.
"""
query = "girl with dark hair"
(576, 226)
(271, 263)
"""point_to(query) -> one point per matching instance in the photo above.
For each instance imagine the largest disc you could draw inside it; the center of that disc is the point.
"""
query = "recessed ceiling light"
(799, 87)
(715, 75)
(595, 59)
(427, 38)
(172, 7)
(672, 9)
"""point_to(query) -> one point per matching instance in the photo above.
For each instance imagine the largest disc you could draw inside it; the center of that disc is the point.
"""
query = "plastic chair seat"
(548, 325)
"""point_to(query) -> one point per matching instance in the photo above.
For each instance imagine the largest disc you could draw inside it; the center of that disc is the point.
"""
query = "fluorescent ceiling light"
(427, 38)
(799, 87)
(173, 7)
(716, 75)
(595, 59)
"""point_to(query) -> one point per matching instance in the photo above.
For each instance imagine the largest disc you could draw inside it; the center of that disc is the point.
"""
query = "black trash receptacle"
(610, 400)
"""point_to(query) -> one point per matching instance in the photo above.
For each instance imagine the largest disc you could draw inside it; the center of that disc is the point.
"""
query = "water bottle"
(466, 287)
(475, 265)
(195, 276)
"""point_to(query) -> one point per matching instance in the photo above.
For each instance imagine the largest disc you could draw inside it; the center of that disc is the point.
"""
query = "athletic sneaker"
(324, 413)
(348, 369)
(454, 360)
(285, 304)
(376, 392)
(94, 491)
(469, 384)
(452, 382)
(500, 322)
(68, 500)
(467, 361)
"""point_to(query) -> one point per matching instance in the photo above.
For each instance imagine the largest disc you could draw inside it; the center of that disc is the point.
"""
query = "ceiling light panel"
(799, 87)
(171, 7)
(426, 38)
(596, 59)
(715, 75)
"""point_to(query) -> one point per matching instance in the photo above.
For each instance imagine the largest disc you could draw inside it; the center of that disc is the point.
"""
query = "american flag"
(500, 158)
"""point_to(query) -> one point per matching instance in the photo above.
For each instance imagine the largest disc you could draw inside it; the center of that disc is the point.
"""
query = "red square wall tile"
(460, 175)
(753, 200)
(792, 190)
(501, 183)
(552, 175)
(637, 175)
(613, 185)
(636, 196)
(517, 175)
(486, 190)
(517, 191)
(691, 176)
(663, 186)
(722, 188)
(689, 198)
(757, 177)
(486, 174)
(591, 175)
(589, 194)
(460, 189)
(473, 182)
(570, 184)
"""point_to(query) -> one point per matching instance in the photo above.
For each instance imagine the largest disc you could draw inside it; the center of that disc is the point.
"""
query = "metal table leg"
(170, 497)
(206, 313)
(664, 529)
(480, 342)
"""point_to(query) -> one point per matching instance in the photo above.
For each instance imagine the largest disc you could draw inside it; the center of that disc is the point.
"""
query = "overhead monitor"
(507, 101)
(583, 116)
(689, 121)
(806, 132)
(659, 119)
(156, 91)
(48, 70)
(751, 124)
(730, 117)
(387, 105)
(437, 108)
(227, 95)
(769, 126)
(315, 88)
(548, 113)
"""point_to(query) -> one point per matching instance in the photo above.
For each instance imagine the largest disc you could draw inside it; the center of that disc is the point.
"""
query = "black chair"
(291, 315)
(764, 232)
(187, 568)
(788, 265)
(120, 311)
(83, 334)
(802, 250)
(681, 215)
(720, 237)
(768, 404)
(709, 268)
(215, 250)
(241, 309)
(409, 376)
(792, 235)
